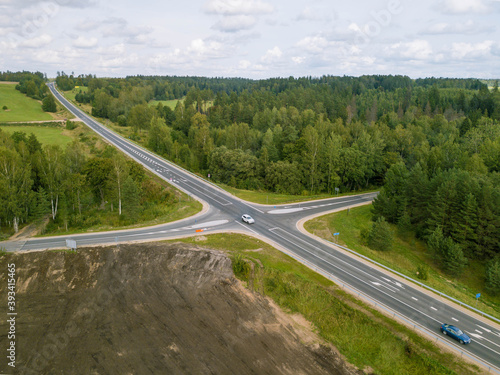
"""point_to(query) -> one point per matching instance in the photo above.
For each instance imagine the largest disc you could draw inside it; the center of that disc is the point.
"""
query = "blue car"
(455, 333)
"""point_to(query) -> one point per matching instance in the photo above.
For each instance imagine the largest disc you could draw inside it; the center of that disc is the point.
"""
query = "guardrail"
(463, 304)
(391, 312)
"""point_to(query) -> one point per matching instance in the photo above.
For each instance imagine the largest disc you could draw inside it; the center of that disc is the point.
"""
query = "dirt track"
(151, 309)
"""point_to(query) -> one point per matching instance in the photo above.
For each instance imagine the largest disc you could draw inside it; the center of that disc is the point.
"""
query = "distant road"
(278, 225)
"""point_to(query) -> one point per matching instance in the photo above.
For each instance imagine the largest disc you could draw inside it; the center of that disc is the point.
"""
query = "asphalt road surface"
(278, 224)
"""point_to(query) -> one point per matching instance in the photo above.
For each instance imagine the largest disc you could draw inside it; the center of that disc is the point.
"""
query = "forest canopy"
(431, 145)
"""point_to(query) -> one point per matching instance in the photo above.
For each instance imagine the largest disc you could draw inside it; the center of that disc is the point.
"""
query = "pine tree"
(493, 276)
(131, 198)
(380, 236)
(464, 227)
(447, 253)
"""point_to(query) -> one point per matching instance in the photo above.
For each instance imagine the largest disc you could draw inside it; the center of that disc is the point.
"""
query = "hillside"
(152, 309)
(19, 106)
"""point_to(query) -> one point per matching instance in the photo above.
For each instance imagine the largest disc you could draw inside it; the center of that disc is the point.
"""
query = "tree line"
(70, 185)
(433, 144)
(32, 85)
(306, 135)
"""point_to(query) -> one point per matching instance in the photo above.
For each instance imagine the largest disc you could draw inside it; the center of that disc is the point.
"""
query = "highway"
(278, 225)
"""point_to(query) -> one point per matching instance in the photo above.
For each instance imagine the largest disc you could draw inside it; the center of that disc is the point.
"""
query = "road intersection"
(278, 225)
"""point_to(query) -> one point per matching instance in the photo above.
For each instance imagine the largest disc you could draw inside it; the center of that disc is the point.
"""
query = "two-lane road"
(278, 224)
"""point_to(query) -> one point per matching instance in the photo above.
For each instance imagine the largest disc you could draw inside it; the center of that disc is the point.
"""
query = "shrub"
(70, 125)
(240, 267)
(5, 108)
(380, 236)
(121, 120)
(423, 272)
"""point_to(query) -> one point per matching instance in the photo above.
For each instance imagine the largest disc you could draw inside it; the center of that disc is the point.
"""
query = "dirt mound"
(151, 309)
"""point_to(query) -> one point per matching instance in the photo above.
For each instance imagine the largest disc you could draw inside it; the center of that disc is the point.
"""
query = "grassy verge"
(103, 220)
(365, 337)
(406, 256)
(262, 197)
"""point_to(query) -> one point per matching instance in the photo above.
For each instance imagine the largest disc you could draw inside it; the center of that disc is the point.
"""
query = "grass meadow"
(19, 106)
(46, 135)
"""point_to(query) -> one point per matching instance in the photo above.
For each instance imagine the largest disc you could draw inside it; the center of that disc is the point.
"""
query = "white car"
(247, 219)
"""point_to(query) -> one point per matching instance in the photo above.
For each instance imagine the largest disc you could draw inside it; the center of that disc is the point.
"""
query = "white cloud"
(244, 64)
(237, 7)
(308, 15)
(467, 27)
(471, 50)
(272, 55)
(235, 23)
(36, 42)
(22, 4)
(119, 62)
(82, 42)
(415, 50)
(120, 28)
(48, 56)
(314, 44)
(464, 6)
(88, 24)
(203, 50)
(115, 49)
(238, 37)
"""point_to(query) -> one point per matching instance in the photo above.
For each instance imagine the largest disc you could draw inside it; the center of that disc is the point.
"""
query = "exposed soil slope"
(151, 309)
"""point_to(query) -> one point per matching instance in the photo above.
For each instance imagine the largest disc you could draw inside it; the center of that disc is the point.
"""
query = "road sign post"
(336, 236)
(71, 244)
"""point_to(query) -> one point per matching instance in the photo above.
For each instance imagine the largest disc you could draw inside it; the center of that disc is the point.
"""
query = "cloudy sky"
(252, 38)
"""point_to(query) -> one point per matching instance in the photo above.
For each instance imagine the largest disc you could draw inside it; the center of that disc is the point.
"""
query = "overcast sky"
(252, 38)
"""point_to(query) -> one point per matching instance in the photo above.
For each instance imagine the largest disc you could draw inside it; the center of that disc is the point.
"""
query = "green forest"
(431, 145)
(85, 185)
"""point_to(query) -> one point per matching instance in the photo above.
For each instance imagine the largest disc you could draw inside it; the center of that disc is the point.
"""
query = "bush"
(240, 267)
(364, 234)
(121, 120)
(5, 108)
(70, 125)
(423, 272)
(380, 236)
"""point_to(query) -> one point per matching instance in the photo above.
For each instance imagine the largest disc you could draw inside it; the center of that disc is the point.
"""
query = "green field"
(369, 340)
(46, 135)
(19, 106)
